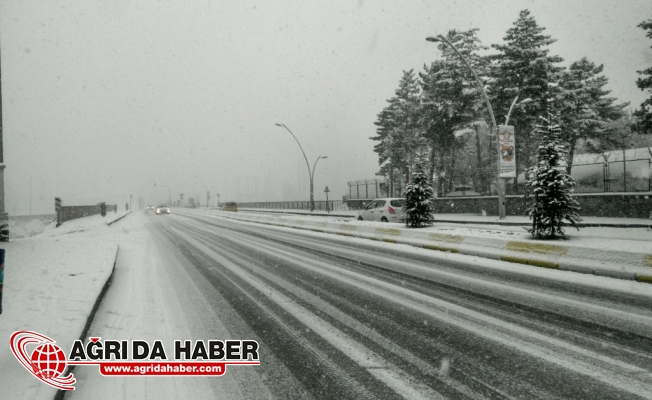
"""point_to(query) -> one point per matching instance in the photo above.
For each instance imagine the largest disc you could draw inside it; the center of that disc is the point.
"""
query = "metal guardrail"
(320, 205)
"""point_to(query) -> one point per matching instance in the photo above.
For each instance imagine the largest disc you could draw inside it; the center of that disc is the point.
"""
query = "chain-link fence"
(614, 171)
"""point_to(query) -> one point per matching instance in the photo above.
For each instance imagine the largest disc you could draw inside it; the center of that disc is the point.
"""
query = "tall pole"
(500, 183)
(4, 217)
(1, 146)
(312, 202)
(30, 195)
(312, 180)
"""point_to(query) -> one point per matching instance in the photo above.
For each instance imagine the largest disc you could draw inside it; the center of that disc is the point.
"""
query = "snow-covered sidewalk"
(51, 282)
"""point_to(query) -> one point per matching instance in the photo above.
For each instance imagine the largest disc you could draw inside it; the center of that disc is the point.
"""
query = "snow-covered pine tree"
(583, 105)
(417, 195)
(398, 131)
(525, 68)
(552, 186)
(644, 113)
(453, 109)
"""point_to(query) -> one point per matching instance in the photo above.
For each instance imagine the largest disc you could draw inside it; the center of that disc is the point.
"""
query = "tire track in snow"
(518, 337)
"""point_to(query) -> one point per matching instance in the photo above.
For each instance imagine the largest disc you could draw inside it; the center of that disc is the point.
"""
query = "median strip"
(568, 258)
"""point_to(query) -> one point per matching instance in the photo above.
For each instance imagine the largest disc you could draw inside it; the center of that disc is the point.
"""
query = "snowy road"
(346, 318)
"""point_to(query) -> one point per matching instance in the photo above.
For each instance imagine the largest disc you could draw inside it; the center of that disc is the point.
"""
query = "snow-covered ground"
(463, 218)
(28, 225)
(51, 282)
(53, 278)
(606, 238)
(152, 297)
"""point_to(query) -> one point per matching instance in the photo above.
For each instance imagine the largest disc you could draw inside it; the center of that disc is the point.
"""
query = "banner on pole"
(507, 145)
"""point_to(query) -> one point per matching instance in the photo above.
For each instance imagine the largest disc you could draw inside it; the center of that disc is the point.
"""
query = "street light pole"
(499, 182)
(312, 180)
(310, 173)
(509, 113)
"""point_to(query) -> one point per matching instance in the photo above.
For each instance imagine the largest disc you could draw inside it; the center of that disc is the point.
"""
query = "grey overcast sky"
(102, 97)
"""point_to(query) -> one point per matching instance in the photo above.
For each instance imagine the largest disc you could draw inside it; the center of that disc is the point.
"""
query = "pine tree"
(398, 129)
(438, 124)
(552, 186)
(417, 196)
(584, 106)
(453, 108)
(644, 113)
(524, 68)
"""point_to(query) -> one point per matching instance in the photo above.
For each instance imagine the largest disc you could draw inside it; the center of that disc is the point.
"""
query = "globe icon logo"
(48, 361)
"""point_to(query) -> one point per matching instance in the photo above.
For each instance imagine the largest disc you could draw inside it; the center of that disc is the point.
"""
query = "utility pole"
(311, 173)
(500, 183)
(4, 217)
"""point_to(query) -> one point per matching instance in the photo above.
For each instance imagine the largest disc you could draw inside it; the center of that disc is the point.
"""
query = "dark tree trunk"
(571, 154)
(479, 183)
(432, 164)
(451, 177)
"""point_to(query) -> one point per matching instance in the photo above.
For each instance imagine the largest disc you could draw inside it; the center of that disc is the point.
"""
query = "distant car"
(384, 210)
(162, 209)
(150, 207)
(230, 206)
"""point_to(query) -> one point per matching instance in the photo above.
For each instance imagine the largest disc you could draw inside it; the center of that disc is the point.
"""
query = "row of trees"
(440, 111)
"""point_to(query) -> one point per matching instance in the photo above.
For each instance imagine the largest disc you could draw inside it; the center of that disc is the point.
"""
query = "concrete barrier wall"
(73, 212)
(616, 205)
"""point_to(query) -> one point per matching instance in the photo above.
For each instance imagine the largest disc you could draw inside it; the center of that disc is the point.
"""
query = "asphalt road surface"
(342, 318)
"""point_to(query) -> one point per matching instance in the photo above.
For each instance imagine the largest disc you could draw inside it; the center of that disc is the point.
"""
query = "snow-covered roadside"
(51, 282)
(28, 226)
(629, 258)
(152, 297)
(590, 281)
(475, 219)
(638, 240)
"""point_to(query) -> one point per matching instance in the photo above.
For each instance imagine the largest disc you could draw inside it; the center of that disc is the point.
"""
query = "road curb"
(613, 264)
(118, 219)
(452, 221)
(70, 368)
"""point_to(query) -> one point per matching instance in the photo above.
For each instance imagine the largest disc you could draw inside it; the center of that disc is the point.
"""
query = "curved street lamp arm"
(510, 110)
(303, 152)
(499, 182)
(484, 94)
(313, 168)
